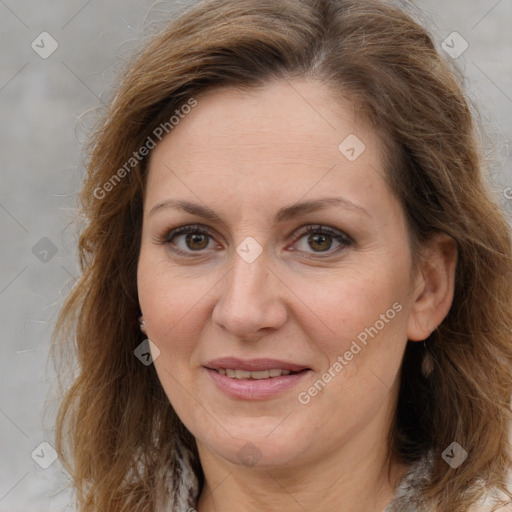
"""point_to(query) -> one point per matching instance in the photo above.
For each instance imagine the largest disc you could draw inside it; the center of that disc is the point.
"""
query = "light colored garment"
(183, 485)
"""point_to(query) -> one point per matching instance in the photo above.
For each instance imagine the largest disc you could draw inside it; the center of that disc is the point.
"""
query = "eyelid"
(313, 228)
(169, 234)
(186, 228)
(343, 239)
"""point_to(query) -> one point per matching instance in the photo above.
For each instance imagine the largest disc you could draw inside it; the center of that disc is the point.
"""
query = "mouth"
(256, 379)
(255, 375)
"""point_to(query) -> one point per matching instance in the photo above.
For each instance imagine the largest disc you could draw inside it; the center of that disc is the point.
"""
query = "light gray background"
(42, 102)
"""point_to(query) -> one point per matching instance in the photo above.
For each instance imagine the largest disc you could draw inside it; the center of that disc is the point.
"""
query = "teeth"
(244, 374)
(260, 375)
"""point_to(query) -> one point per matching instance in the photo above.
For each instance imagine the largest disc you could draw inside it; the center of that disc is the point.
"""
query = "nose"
(252, 299)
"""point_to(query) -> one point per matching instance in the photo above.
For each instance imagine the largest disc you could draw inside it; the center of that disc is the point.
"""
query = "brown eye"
(320, 239)
(196, 241)
(188, 239)
(320, 242)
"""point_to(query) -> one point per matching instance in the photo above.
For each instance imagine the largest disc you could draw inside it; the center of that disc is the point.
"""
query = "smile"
(258, 384)
(257, 375)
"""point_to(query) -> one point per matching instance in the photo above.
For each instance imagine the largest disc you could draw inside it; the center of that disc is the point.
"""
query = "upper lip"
(253, 365)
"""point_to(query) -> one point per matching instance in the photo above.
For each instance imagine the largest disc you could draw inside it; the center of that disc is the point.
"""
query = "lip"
(253, 365)
(255, 389)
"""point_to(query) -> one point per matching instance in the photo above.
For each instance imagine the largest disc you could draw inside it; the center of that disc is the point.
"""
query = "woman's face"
(248, 288)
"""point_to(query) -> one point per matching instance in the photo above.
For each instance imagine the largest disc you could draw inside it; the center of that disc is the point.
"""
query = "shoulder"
(492, 505)
(408, 493)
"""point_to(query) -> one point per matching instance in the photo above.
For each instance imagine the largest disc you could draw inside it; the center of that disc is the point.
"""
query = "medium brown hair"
(115, 424)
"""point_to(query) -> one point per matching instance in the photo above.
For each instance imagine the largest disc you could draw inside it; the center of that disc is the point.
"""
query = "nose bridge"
(245, 284)
(249, 300)
(249, 268)
(249, 271)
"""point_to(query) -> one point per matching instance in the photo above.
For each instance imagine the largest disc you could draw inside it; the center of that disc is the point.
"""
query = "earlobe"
(142, 324)
(435, 287)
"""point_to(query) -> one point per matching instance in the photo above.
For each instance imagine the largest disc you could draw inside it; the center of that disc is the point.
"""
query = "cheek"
(363, 345)
(171, 309)
(169, 299)
(345, 305)
(360, 325)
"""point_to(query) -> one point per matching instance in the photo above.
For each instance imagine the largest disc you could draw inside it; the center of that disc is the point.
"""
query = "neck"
(354, 478)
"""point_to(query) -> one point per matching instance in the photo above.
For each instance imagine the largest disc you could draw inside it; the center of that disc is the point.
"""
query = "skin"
(246, 155)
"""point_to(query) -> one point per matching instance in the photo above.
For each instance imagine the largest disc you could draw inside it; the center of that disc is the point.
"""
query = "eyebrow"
(283, 214)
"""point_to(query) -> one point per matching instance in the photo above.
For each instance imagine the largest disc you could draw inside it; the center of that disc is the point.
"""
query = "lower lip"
(256, 389)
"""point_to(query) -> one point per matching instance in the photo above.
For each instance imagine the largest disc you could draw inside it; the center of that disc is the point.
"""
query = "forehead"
(290, 112)
(285, 139)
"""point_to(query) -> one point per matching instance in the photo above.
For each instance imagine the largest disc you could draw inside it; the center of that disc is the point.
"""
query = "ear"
(434, 287)
(142, 324)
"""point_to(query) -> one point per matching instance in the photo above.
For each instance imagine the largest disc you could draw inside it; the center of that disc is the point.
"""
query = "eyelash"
(344, 240)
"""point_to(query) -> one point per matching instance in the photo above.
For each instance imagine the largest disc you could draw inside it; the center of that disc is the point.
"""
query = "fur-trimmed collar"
(183, 486)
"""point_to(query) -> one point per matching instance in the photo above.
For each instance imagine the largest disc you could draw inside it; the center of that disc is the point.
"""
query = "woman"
(296, 285)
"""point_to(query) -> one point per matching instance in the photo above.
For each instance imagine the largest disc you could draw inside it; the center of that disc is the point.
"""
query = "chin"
(265, 448)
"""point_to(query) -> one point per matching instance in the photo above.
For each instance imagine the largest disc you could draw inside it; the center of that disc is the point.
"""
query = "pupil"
(318, 239)
(195, 238)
